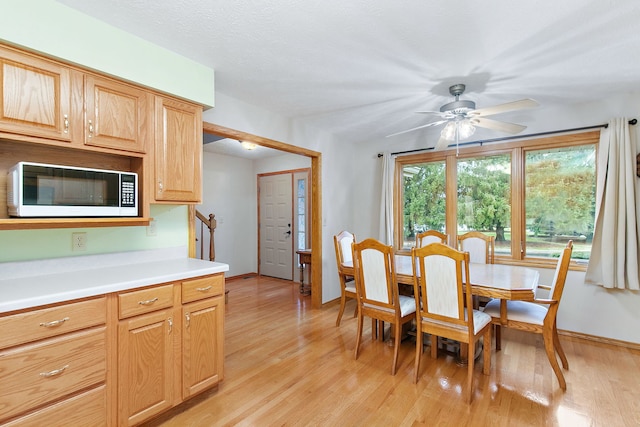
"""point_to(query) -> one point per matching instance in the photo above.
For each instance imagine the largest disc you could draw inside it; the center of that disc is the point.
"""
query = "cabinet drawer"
(205, 287)
(48, 322)
(86, 409)
(36, 374)
(145, 300)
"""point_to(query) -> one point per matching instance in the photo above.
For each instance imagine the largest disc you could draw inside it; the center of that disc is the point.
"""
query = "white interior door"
(276, 218)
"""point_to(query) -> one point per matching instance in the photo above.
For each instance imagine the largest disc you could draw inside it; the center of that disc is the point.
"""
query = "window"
(484, 198)
(424, 199)
(560, 200)
(533, 195)
(301, 214)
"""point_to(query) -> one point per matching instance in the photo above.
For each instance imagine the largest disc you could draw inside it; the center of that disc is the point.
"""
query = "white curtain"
(386, 199)
(614, 254)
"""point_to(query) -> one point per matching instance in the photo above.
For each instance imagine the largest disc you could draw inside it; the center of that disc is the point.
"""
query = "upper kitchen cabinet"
(118, 116)
(178, 151)
(36, 97)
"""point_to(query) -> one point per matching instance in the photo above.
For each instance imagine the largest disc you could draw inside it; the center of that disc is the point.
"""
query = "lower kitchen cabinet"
(129, 355)
(145, 366)
(202, 345)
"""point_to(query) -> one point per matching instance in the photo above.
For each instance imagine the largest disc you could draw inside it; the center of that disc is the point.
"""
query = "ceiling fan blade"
(442, 144)
(503, 108)
(436, 113)
(439, 122)
(497, 125)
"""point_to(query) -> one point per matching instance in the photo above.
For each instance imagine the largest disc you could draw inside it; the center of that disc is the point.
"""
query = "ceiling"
(361, 68)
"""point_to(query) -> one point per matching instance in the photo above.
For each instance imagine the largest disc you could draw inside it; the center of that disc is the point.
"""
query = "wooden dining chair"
(443, 295)
(342, 243)
(430, 236)
(480, 246)
(377, 289)
(538, 316)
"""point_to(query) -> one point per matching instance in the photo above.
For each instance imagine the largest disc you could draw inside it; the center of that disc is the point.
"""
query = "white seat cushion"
(480, 320)
(350, 286)
(519, 311)
(407, 305)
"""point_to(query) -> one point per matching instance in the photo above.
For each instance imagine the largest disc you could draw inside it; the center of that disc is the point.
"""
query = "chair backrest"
(376, 281)
(479, 245)
(430, 236)
(342, 242)
(438, 272)
(560, 277)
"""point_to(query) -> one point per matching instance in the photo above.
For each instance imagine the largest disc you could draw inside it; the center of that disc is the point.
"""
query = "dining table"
(501, 281)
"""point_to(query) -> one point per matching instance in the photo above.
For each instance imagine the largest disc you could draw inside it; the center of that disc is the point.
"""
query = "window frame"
(517, 150)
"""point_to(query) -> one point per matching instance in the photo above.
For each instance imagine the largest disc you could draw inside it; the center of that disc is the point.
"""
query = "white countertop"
(52, 285)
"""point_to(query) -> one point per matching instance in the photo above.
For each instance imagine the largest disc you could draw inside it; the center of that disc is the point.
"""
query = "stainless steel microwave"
(43, 190)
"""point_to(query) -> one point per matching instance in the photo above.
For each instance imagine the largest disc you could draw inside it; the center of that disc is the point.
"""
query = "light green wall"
(171, 231)
(57, 30)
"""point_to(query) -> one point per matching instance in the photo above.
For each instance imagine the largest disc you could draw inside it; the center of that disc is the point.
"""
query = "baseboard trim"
(241, 276)
(600, 340)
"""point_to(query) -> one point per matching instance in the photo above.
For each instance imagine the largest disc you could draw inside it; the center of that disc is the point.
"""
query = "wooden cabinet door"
(145, 366)
(35, 96)
(178, 151)
(202, 345)
(117, 115)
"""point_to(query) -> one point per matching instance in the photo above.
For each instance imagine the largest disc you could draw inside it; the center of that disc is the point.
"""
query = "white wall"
(229, 192)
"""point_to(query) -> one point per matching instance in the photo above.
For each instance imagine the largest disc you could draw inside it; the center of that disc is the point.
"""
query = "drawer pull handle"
(188, 319)
(204, 289)
(170, 320)
(54, 323)
(148, 302)
(54, 372)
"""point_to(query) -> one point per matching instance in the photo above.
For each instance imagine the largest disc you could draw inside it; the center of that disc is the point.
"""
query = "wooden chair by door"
(430, 236)
(377, 288)
(342, 243)
(445, 305)
(479, 245)
(538, 316)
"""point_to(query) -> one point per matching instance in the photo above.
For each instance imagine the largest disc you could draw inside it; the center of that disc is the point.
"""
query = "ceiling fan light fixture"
(248, 145)
(464, 129)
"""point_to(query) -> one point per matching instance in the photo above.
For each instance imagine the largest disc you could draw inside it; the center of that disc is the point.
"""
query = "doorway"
(315, 201)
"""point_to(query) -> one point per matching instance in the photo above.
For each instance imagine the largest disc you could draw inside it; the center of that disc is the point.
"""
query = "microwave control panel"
(127, 190)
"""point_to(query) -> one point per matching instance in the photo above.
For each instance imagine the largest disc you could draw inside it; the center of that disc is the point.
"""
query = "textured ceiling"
(360, 68)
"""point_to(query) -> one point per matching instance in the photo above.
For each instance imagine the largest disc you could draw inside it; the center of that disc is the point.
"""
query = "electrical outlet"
(78, 242)
(152, 228)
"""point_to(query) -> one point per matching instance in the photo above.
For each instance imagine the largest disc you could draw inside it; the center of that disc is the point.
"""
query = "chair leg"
(434, 346)
(470, 364)
(551, 355)
(343, 302)
(358, 335)
(486, 349)
(396, 347)
(498, 337)
(418, 354)
(559, 350)
(374, 329)
(355, 311)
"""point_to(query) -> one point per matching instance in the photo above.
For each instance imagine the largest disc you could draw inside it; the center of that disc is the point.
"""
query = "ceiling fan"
(462, 118)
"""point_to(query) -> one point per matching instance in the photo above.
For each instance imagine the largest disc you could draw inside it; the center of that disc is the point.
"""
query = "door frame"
(316, 199)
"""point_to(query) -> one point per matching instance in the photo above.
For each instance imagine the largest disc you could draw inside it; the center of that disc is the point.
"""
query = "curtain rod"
(509, 138)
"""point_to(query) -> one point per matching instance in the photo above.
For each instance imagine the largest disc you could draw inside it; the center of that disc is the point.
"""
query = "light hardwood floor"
(287, 364)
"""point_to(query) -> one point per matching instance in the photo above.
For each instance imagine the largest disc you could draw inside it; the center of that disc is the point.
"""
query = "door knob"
(288, 232)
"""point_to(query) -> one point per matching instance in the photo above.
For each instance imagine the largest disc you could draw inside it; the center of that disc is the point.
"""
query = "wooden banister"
(211, 224)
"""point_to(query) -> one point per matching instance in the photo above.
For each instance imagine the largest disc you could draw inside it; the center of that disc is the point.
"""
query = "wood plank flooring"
(289, 365)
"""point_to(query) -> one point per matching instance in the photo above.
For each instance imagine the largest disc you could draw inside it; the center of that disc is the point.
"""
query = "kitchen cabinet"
(52, 362)
(145, 354)
(203, 334)
(178, 151)
(36, 97)
(118, 116)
